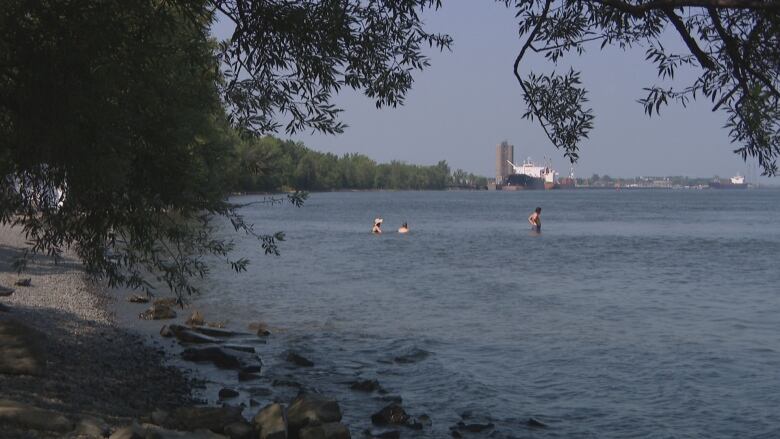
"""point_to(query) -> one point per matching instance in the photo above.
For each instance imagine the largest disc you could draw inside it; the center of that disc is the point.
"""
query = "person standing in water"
(536, 220)
(404, 228)
(377, 230)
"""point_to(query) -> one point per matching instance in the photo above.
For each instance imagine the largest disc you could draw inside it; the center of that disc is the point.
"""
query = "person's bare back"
(536, 219)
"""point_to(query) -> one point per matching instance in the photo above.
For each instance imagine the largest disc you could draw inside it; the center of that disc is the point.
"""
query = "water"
(634, 314)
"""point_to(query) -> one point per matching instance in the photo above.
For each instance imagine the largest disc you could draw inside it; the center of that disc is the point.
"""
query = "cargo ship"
(530, 176)
(735, 182)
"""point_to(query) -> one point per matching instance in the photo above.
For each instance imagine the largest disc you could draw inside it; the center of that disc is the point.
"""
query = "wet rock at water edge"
(298, 360)
(196, 319)
(247, 376)
(330, 430)
(239, 347)
(311, 409)
(187, 335)
(386, 434)
(208, 418)
(158, 312)
(216, 332)
(391, 414)
(137, 298)
(165, 331)
(270, 422)
(260, 328)
(239, 430)
(166, 301)
(220, 357)
(27, 282)
(5, 291)
(90, 427)
(226, 393)
(365, 385)
(533, 422)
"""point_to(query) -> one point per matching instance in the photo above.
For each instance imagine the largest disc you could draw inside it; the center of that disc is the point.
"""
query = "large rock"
(186, 335)
(270, 422)
(331, 430)
(312, 410)
(32, 418)
(203, 418)
(239, 430)
(392, 414)
(137, 298)
(133, 431)
(21, 349)
(221, 358)
(196, 319)
(91, 428)
(158, 312)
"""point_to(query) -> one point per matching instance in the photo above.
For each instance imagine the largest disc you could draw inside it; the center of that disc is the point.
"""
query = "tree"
(121, 107)
(735, 45)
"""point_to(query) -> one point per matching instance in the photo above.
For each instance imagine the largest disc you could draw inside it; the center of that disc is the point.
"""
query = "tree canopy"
(734, 44)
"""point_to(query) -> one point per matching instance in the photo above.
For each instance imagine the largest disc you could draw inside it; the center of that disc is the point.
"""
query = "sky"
(468, 101)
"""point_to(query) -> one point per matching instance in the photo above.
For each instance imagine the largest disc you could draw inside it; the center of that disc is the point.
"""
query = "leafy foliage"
(734, 44)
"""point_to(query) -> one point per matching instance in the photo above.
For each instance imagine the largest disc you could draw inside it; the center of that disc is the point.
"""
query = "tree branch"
(642, 9)
(702, 57)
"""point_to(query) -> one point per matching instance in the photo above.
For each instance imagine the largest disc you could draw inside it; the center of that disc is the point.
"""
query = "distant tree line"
(268, 164)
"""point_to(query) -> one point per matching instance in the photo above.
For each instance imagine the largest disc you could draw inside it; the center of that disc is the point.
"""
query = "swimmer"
(404, 229)
(536, 220)
(377, 226)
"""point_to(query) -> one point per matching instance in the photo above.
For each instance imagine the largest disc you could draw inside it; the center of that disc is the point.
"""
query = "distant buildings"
(505, 153)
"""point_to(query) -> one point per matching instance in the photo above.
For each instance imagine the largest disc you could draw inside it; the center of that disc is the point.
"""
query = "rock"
(365, 385)
(5, 291)
(220, 357)
(186, 335)
(311, 410)
(155, 432)
(22, 349)
(196, 319)
(207, 418)
(331, 430)
(133, 431)
(166, 301)
(270, 422)
(216, 332)
(392, 414)
(247, 376)
(92, 428)
(260, 328)
(226, 393)
(216, 324)
(252, 369)
(165, 331)
(239, 430)
(253, 402)
(28, 417)
(24, 282)
(239, 347)
(298, 360)
(136, 298)
(158, 312)
(388, 434)
(159, 417)
(532, 422)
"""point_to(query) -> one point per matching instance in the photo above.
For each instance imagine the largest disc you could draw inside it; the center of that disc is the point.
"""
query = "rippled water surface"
(634, 313)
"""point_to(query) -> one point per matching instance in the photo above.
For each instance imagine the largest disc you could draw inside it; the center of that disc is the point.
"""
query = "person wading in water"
(536, 220)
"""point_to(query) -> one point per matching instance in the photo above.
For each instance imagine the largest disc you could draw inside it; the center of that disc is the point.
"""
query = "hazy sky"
(468, 101)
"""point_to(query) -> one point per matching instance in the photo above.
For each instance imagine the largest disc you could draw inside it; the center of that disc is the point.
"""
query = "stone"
(226, 393)
(260, 328)
(298, 360)
(239, 347)
(133, 431)
(158, 312)
(137, 298)
(216, 332)
(270, 422)
(5, 291)
(331, 430)
(532, 422)
(22, 349)
(216, 324)
(311, 410)
(392, 414)
(155, 432)
(247, 376)
(27, 282)
(196, 319)
(159, 416)
(365, 385)
(186, 335)
(203, 418)
(92, 428)
(220, 357)
(165, 331)
(166, 301)
(28, 417)
(253, 402)
(239, 430)
(387, 434)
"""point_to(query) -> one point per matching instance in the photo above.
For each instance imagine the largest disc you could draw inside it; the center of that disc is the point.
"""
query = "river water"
(645, 313)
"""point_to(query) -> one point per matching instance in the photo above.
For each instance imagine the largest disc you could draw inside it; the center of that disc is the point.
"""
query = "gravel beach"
(89, 366)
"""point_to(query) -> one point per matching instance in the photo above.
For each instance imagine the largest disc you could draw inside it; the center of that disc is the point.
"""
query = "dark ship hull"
(729, 185)
(519, 182)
